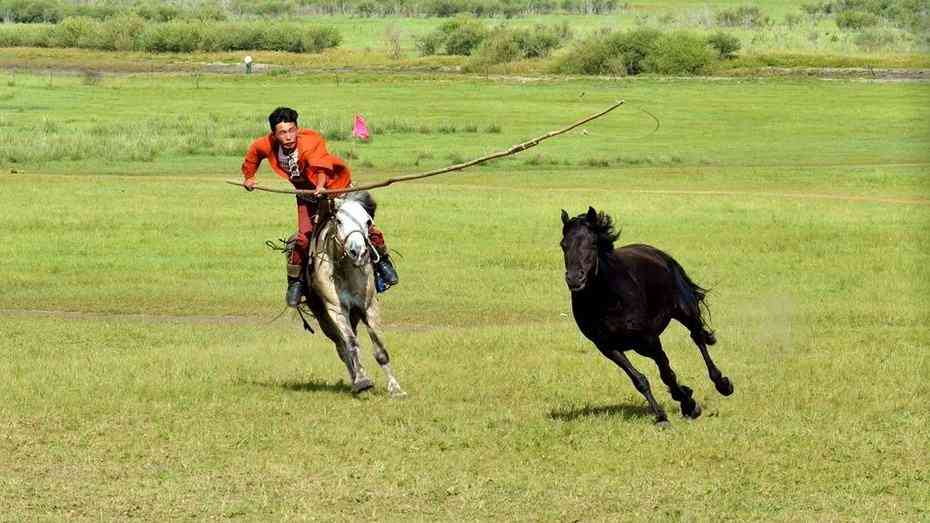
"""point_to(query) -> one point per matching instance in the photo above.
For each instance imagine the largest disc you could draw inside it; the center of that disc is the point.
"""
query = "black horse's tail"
(691, 298)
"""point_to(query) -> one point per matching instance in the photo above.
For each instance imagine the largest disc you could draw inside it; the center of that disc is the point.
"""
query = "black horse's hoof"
(693, 413)
(724, 386)
(683, 393)
(362, 385)
(663, 424)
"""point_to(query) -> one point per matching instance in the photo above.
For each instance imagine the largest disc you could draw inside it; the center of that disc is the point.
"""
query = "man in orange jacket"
(300, 156)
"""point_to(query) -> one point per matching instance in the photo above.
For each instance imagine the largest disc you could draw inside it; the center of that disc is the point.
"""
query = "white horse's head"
(352, 223)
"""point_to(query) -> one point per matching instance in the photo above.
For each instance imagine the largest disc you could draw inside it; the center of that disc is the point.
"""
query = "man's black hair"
(282, 114)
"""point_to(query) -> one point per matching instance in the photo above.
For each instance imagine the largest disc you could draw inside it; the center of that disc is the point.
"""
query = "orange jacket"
(312, 157)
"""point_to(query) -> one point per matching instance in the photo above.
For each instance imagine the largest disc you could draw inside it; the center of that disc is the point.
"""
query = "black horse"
(625, 298)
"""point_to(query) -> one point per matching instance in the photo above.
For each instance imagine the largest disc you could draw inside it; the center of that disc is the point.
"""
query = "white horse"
(342, 287)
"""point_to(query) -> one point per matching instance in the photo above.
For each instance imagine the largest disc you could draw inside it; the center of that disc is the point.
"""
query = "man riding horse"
(300, 156)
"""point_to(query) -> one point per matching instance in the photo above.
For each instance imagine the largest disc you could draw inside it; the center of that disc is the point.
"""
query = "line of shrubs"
(748, 16)
(54, 11)
(856, 15)
(513, 8)
(133, 33)
(633, 52)
(647, 50)
(469, 36)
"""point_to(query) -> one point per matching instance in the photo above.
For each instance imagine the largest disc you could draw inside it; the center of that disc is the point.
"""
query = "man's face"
(286, 134)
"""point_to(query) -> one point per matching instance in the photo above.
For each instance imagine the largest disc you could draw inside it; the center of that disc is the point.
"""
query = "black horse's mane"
(603, 228)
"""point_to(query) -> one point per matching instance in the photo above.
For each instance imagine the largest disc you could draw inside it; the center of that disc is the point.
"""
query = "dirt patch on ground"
(154, 67)
(106, 316)
(814, 196)
(286, 316)
(838, 73)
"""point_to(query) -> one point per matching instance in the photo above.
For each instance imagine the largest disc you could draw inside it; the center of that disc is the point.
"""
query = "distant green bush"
(910, 15)
(817, 9)
(726, 44)
(32, 11)
(96, 10)
(542, 40)
(206, 11)
(639, 51)
(465, 38)
(621, 53)
(173, 37)
(22, 35)
(856, 20)
(793, 20)
(507, 45)
(501, 47)
(120, 33)
(590, 7)
(459, 36)
(77, 31)
(265, 8)
(478, 8)
(914, 15)
(680, 52)
(743, 16)
(873, 40)
(442, 8)
(159, 12)
(593, 56)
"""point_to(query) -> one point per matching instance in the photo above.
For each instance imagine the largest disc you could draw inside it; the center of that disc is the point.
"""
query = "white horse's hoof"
(397, 394)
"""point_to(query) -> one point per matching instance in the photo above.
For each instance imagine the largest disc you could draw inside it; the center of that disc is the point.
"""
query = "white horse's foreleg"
(350, 353)
(334, 333)
(341, 332)
(373, 324)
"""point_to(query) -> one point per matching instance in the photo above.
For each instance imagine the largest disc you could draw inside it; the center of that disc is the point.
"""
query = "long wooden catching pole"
(457, 167)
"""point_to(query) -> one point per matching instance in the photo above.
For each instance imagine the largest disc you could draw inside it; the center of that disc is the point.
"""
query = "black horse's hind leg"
(639, 381)
(702, 338)
(721, 383)
(680, 393)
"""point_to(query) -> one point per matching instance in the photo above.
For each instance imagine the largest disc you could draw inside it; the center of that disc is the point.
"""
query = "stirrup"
(295, 290)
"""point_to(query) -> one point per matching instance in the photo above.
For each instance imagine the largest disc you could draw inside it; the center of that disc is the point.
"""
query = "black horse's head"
(585, 238)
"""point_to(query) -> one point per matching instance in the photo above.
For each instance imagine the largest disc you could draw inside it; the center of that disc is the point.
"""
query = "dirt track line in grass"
(85, 315)
(816, 196)
(196, 319)
(123, 67)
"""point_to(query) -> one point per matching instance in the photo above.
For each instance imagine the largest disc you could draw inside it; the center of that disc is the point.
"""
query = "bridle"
(341, 242)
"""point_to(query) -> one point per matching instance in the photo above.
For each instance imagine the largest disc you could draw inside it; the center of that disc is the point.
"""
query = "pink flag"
(360, 130)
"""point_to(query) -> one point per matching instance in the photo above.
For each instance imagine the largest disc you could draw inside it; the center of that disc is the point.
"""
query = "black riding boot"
(295, 285)
(386, 270)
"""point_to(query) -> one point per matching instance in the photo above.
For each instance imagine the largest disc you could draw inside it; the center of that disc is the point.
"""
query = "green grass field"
(787, 38)
(146, 377)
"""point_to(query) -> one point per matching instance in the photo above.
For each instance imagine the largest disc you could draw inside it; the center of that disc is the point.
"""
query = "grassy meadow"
(147, 373)
(790, 35)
